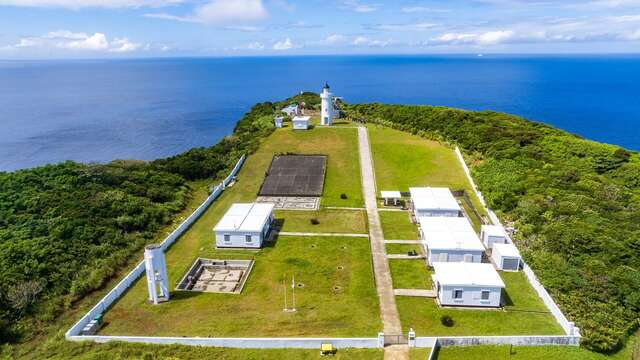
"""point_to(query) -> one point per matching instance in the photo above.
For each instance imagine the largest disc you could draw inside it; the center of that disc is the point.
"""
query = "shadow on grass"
(506, 299)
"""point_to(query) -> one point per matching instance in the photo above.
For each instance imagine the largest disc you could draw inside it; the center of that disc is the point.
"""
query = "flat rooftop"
(433, 198)
(245, 217)
(467, 274)
(449, 233)
(494, 230)
(506, 250)
(295, 175)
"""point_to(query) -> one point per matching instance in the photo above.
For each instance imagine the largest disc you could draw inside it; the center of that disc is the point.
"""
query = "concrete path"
(415, 292)
(293, 233)
(388, 310)
(405, 257)
(403, 242)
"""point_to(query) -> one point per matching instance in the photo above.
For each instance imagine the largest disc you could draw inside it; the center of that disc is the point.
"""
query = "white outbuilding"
(244, 225)
(467, 284)
(434, 201)
(300, 122)
(493, 234)
(450, 239)
(390, 197)
(506, 257)
(278, 121)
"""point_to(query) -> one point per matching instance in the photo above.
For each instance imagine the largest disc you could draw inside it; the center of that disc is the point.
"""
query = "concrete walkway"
(293, 233)
(415, 292)
(388, 309)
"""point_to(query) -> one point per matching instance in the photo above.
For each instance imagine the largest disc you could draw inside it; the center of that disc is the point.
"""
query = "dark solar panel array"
(295, 175)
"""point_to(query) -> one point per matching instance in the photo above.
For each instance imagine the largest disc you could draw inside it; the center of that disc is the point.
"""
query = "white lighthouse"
(326, 113)
(157, 280)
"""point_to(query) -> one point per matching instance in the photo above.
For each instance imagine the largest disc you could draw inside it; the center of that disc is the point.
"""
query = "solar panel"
(295, 175)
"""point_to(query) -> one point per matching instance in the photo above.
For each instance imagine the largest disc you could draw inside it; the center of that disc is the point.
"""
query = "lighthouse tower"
(157, 280)
(326, 113)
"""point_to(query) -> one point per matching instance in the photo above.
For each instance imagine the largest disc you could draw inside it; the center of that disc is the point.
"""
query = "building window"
(247, 238)
(457, 294)
(227, 238)
(468, 258)
(485, 295)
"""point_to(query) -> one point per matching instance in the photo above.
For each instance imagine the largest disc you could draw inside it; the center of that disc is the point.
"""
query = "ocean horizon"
(100, 110)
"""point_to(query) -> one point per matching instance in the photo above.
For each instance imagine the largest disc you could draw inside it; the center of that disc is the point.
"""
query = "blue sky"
(139, 28)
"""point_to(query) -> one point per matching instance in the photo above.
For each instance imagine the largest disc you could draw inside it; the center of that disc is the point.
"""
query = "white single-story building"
(506, 257)
(467, 284)
(291, 110)
(300, 122)
(434, 201)
(278, 121)
(244, 225)
(450, 239)
(390, 197)
(492, 234)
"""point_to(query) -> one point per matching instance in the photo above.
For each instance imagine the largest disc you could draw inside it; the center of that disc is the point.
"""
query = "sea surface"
(98, 110)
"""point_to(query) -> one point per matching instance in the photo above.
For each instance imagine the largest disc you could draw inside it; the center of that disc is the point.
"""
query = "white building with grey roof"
(244, 225)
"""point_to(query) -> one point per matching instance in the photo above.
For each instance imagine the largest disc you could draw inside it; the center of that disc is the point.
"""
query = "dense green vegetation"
(575, 203)
(66, 229)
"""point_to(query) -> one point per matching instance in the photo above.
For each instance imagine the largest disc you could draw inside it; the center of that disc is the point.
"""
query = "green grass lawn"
(524, 314)
(323, 310)
(397, 225)
(403, 160)
(330, 220)
(528, 353)
(403, 248)
(419, 353)
(410, 274)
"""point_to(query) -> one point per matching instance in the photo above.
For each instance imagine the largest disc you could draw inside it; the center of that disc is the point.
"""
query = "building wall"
(238, 239)
(453, 255)
(300, 125)
(470, 296)
(499, 261)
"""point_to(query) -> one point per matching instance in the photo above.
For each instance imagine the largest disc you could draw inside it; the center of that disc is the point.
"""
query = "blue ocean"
(101, 110)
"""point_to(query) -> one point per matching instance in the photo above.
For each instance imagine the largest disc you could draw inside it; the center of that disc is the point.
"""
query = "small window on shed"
(485, 295)
(468, 258)
(227, 238)
(457, 294)
(247, 238)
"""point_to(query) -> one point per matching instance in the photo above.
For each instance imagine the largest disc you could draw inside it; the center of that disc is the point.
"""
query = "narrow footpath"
(382, 274)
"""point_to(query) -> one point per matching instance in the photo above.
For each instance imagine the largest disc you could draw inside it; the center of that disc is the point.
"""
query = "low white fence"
(124, 284)
(569, 327)
(246, 343)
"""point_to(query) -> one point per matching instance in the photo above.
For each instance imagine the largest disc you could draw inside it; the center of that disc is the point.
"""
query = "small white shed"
(390, 197)
(467, 284)
(493, 234)
(244, 225)
(300, 122)
(450, 239)
(278, 121)
(506, 257)
(434, 201)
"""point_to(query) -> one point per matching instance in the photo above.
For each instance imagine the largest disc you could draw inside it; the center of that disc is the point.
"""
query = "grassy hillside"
(575, 203)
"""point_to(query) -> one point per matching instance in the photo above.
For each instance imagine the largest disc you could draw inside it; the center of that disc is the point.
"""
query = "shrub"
(315, 221)
(343, 196)
(446, 320)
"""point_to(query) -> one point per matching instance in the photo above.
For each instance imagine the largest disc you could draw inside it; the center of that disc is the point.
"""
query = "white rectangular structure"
(467, 284)
(434, 201)
(493, 234)
(506, 257)
(390, 197)
(244, 225)
(450, 239)
(300, 122)
(278, 121)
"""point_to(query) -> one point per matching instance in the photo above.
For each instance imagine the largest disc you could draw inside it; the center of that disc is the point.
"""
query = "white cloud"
(625, 18)
(485, 38)
(253, 46)
(365, 41)
(334, 39)
(358, 6)
(285, 44)
(420, 26)
(77, 4)
(220, 12)
(82, 42)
